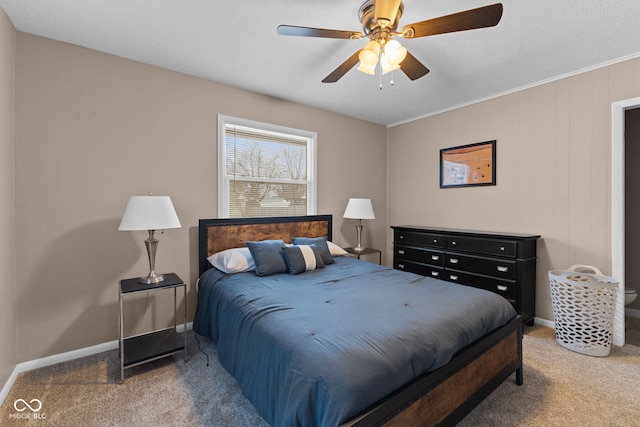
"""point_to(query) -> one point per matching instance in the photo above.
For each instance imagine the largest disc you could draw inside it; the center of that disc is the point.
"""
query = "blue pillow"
(301, 258)
(320, 243)
(267, 256)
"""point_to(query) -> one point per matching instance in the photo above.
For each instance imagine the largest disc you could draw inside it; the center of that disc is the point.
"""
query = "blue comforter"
(318, 348)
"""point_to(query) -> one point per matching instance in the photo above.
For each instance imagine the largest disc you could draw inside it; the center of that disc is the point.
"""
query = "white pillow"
(236, 260)
(336, 250)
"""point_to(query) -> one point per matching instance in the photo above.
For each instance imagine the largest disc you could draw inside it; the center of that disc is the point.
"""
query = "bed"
(360, 365)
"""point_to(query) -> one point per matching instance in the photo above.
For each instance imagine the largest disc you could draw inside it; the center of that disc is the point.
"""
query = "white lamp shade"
(359, 209)
(149, 213)
(367, 69)
(387, 66)
(394, 52)
(369, 55)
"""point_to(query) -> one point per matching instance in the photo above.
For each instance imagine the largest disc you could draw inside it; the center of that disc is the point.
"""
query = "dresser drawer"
(482, 246)
(422, 269)
(417, 254)
(505, 288)
(416, 238)
(494, 267)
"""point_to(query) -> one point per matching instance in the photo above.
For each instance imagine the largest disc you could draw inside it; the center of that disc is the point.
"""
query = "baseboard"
(62, 357)
(52, 360)
(7, 386)
(544, 322)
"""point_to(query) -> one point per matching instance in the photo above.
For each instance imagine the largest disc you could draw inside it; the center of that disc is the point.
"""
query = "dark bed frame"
(439, 398)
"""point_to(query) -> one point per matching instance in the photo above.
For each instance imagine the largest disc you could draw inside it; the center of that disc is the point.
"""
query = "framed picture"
(468, 165)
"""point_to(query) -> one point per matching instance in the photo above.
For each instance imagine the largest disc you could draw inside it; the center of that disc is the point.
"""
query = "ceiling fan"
(380, 19)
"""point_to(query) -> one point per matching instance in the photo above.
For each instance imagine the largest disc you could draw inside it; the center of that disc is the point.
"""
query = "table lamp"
(359, 209)
(149, 213)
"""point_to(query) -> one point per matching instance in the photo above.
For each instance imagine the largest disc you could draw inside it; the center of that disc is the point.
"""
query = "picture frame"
(468, 165)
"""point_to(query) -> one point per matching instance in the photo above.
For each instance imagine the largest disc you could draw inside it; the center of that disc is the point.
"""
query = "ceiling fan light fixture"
(369, 55)
(386, 65)
(394, 52)
(367, 69)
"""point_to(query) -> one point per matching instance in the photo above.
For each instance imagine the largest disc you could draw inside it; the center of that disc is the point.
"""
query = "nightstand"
(366, 251)
(139, 349)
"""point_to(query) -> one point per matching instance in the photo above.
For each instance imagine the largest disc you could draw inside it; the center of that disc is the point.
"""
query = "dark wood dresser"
(499, 262)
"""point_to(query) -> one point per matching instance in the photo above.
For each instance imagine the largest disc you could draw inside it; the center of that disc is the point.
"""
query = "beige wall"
(93, 129)
(7, 204)
(553, 169)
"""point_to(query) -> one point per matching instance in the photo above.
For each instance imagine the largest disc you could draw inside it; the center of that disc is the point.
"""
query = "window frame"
(224, 180)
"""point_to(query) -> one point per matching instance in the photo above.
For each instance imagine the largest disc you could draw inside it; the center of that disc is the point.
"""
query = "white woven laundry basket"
(583, 309)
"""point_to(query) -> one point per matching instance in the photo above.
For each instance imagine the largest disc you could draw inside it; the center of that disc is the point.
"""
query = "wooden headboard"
(216, 235)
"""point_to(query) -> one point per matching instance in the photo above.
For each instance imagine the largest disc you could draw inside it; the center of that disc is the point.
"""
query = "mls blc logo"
(34, 406)
(21, 405)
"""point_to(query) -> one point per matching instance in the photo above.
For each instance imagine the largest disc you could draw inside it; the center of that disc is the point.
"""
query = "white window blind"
(266, 170)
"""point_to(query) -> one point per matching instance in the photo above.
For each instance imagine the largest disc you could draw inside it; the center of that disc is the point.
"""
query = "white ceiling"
(235, 42)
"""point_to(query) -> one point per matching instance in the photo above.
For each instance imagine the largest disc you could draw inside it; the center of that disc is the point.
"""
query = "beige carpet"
(561, 388)
(564, 388)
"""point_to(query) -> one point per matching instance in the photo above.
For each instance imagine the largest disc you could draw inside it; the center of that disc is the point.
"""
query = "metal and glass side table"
(138, 349)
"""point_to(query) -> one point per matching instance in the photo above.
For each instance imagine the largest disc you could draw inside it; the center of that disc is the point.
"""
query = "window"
(265, 170)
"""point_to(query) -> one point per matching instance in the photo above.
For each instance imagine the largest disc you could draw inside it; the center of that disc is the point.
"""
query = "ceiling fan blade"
(482, 17)
(342, 68)
(292, 30)
(385, 11)
(412, 67)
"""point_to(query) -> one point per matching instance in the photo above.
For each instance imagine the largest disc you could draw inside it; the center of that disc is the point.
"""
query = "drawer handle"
(400, 251)
(502, 288)
(401, 237)
(453, 277)
(453, 260)
(453, 243)
(435, 257)
(502, 248)
(502, 269)
(435, 273)
(435, 240)
(400, 265)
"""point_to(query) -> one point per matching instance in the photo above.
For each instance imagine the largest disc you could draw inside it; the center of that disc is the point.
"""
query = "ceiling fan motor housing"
(366, 14)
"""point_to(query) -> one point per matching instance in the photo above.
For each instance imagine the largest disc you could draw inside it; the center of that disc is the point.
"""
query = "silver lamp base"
(151, 279)
(359, 247)
(152, 245)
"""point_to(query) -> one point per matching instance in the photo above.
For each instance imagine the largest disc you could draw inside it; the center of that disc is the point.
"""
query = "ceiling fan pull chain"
(380, 67)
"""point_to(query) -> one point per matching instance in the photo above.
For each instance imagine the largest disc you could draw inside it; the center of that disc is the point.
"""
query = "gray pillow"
(320, 243)
(267, 256)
